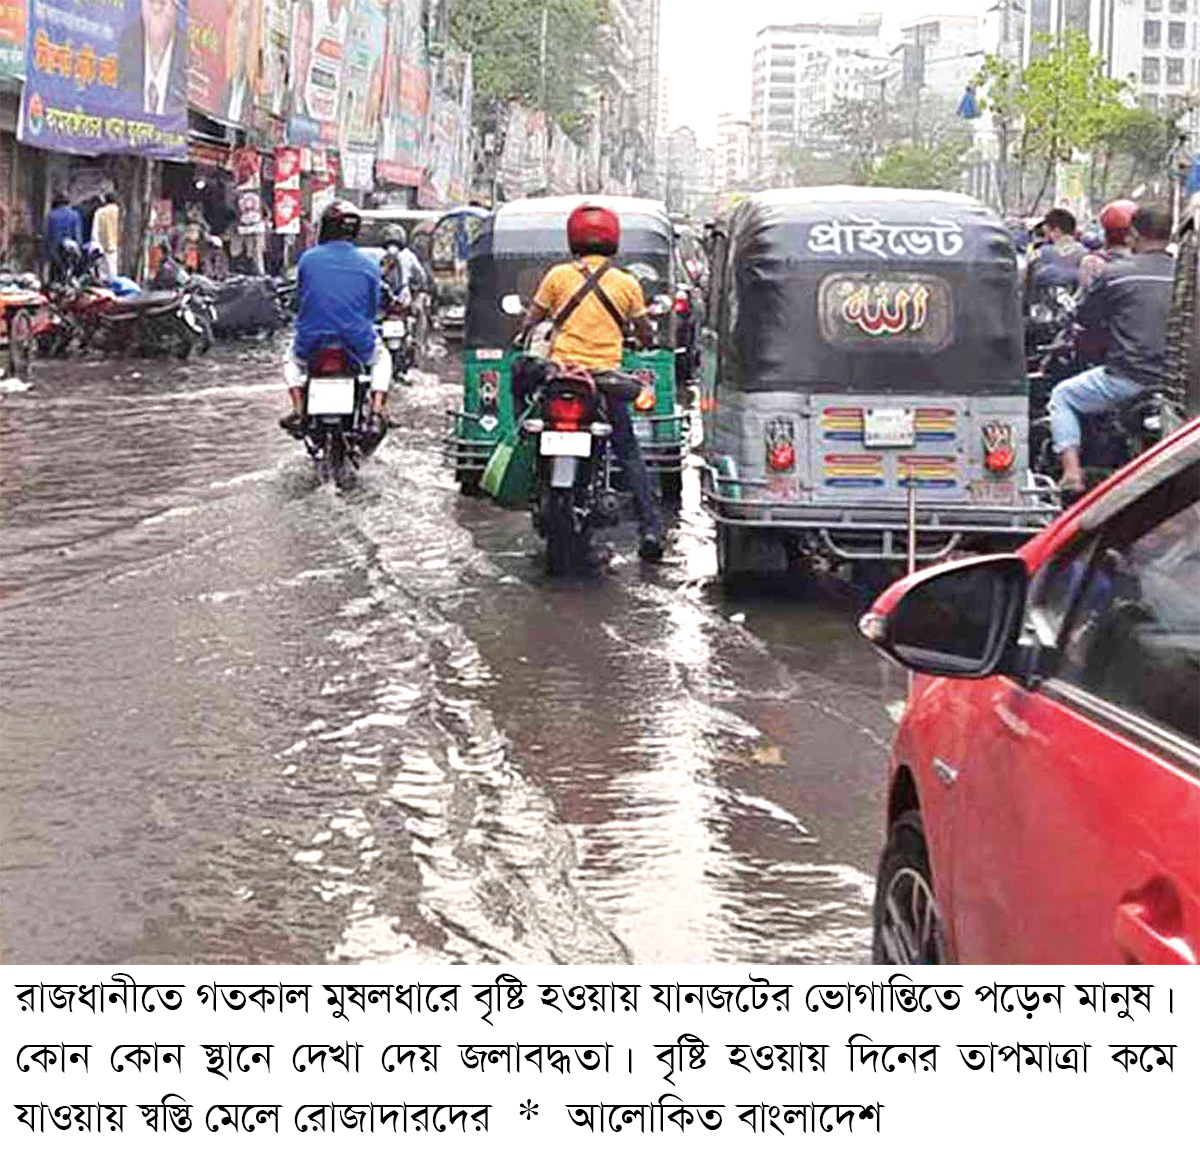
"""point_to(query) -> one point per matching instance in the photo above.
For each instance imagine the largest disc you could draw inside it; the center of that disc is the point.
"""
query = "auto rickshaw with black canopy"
(863, 346)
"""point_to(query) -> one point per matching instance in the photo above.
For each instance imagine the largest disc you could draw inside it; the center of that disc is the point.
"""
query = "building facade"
(732, 152)
(796, 72)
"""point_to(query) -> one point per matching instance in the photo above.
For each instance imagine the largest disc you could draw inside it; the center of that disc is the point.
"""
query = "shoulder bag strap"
(590, 284)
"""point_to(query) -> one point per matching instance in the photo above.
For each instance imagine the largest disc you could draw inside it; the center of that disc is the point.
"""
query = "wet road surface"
(250, 719)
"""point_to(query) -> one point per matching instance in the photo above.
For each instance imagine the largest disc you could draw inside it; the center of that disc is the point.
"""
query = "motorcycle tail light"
(645, 400)
(533, 426)
(328, 361)
(566, 412)
(683, 304)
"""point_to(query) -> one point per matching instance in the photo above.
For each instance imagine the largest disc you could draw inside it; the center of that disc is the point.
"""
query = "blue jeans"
(629, 455)
(1091, 393)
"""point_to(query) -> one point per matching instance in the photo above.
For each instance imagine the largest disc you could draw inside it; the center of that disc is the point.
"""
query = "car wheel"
(908, 924)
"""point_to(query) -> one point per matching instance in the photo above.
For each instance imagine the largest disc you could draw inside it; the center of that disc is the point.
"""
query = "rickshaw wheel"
(20, 343)
(671, 486)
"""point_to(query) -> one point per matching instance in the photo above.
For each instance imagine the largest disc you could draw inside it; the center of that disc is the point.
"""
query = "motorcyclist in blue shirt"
(338, 294)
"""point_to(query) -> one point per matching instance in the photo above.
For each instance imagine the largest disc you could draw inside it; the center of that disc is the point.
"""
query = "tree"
(1134, 143)
(504, 38)
(800, 166)
(920, 167)
(862, 129)
(1062, 100)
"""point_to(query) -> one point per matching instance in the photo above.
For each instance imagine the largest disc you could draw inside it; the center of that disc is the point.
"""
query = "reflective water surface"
(250, 719)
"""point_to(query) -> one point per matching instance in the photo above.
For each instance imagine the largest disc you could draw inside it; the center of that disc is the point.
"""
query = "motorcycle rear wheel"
(558, 522)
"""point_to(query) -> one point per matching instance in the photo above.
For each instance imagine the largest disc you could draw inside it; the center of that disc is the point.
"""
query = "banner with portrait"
(12, 39)
(289, 206)
(319, 31)
(448, 135)
(106, 76)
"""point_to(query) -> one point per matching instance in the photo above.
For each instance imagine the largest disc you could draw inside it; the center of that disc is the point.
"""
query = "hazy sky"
(706, 46)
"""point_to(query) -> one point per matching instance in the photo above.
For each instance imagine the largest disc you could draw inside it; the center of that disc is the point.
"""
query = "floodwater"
(250, 719)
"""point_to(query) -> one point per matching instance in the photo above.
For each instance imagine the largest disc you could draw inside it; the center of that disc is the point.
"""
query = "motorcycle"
(1109, 439)
(398, 332)
(336, 394)
(573, 491)
(31, 322)
(154, 322)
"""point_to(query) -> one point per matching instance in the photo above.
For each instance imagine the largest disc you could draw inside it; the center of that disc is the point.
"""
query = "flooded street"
(250, 719)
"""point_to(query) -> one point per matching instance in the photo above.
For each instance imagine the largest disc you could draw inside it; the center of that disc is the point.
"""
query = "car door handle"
(1140, 937)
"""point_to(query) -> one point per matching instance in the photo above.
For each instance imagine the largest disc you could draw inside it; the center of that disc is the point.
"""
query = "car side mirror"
(953, 620)
(511, 304)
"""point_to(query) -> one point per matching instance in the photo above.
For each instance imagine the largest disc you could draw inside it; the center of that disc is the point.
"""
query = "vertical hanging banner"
(247, 176)
(319, 29)
(106, 76)
(414, 92)
(242, 63)
(276, 40)
(12, 39)
(288, 205)
(362, 79)
(206, 55)
(389, 110)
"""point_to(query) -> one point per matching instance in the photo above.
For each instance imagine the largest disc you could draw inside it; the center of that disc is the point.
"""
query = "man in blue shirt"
(337, 293)
(62, 222)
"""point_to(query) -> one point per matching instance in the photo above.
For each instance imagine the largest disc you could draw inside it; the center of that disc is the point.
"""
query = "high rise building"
(797, 70)
(732, 166)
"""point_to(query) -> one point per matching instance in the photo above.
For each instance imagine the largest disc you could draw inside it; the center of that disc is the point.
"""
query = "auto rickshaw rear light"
(645, 400)
(565, 412)
(1000, 461)
(328, 361)
(781, 458)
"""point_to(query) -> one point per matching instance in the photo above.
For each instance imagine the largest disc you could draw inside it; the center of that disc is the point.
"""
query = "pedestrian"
(106, 231)
(62, 222)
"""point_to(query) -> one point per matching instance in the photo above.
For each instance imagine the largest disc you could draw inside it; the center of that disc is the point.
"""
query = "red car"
(1044, 804)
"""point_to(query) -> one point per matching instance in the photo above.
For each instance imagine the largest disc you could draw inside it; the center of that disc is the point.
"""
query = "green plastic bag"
(508, 477)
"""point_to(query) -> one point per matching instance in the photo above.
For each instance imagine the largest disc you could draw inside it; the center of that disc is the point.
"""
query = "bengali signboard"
(12, 38)
(414, 93)
(319, 30)
(101, 77)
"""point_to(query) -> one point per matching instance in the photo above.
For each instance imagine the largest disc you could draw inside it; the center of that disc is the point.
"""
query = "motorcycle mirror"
(511, 304)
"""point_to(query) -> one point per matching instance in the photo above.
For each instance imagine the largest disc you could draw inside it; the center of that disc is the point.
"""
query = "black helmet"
(70, 253)
(340, 222)
(396, 234)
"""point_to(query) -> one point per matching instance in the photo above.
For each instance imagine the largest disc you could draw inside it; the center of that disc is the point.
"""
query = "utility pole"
(542, 57)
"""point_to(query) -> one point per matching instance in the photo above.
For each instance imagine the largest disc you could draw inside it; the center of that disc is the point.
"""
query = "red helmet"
(592, 229)
(1116, 219)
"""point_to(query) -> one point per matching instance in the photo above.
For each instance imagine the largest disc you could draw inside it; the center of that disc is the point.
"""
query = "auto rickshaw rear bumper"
(878, 529)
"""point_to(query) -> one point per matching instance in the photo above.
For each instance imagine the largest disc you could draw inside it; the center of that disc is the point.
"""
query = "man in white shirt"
(150, 58)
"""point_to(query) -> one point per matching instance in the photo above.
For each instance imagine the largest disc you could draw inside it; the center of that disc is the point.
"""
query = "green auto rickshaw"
(512, 251)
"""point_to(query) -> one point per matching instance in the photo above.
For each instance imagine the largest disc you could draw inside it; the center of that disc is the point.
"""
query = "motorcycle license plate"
(889, 427)
(393, 328)
(566, 443)
(644, 430)
(331, 397)
(997, 493)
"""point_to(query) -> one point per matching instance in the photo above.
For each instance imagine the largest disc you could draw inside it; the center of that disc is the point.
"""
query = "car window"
(1126, 610)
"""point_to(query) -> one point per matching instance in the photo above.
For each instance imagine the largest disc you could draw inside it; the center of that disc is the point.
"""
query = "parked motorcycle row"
(81, 310)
